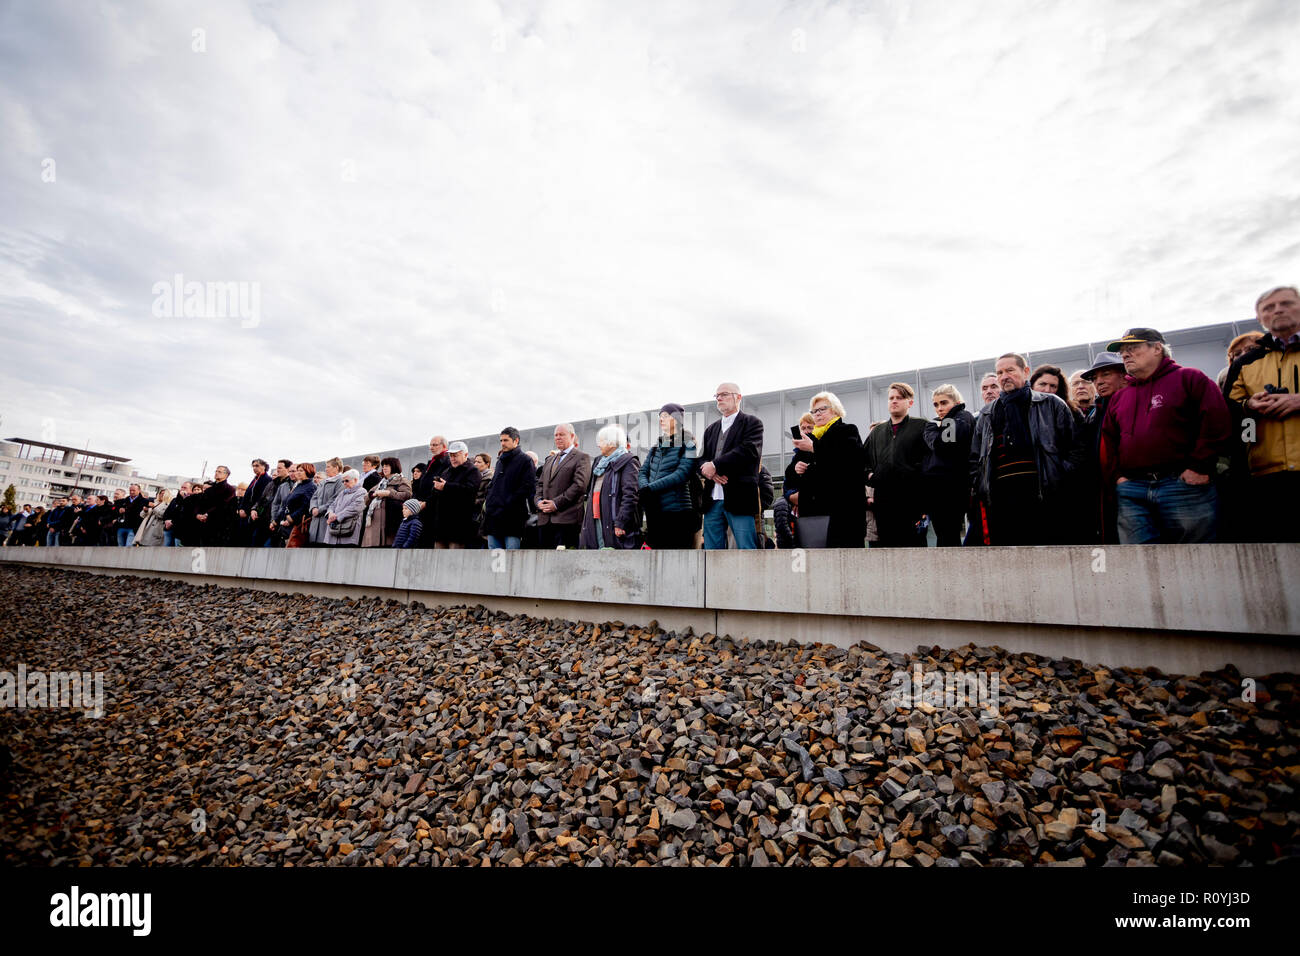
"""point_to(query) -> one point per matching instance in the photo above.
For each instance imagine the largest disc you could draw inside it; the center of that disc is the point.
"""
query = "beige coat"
(381, 526)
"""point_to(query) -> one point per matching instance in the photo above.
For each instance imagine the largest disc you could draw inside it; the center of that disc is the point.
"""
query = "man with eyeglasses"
(1263, 387)
(1161, 440)
(731, 453)
(438, 465)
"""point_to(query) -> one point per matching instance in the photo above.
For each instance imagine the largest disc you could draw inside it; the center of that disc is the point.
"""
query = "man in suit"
(564, 477)
(731, 454)
(249, 530)
(210, 512)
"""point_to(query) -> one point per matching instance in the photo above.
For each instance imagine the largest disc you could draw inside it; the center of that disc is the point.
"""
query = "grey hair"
(612, 434)
(351, 473)
(1282, 288)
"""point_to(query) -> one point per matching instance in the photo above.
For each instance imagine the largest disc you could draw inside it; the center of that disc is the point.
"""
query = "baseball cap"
(1135, 337)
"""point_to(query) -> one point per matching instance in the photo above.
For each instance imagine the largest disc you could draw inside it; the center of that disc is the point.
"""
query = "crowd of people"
(1135, 449)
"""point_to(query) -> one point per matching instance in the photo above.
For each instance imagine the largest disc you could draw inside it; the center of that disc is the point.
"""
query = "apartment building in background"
(42, 472)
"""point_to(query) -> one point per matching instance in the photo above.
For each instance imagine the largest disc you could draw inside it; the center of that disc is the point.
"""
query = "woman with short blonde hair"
(832, 486)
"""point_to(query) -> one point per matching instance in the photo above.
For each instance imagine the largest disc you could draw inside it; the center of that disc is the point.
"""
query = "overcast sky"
(453, 217)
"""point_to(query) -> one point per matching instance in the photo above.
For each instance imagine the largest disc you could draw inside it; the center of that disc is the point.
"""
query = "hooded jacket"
(1175, 420)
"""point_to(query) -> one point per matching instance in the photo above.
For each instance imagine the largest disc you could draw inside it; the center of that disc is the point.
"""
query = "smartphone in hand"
(795, 433)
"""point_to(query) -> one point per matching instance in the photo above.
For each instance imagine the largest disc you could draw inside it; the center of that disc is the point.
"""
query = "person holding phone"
(831, 486)
(799, 462)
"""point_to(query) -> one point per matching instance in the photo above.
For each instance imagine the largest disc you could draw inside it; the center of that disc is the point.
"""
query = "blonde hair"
(337, 463)
(836, 405)
(950, 391)
(904, 389)
(807, 417)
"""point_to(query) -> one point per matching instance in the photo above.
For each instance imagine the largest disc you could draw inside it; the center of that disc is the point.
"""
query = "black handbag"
(812, 531)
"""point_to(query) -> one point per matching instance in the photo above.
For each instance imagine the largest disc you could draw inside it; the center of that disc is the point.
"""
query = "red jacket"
(1175, 420)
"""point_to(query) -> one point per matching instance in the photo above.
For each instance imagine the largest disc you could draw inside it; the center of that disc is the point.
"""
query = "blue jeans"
(716, 521)
(1167, 511)
(125, 537)
(507, 543)
(169, 538)
(52, 539)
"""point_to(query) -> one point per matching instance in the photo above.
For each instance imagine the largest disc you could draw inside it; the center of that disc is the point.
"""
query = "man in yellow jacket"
(1264, 384)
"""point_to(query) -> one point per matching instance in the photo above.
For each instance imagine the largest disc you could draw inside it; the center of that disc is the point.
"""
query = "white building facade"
(42, 472)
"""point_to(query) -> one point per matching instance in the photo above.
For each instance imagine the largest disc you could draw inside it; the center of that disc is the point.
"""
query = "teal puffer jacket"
(662, 479)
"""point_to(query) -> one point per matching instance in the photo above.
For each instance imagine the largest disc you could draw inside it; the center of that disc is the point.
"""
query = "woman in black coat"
(945, 469)
(833, 482)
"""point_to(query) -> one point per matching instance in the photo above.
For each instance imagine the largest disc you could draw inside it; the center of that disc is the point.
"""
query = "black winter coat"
(456, 521)
(833, 485)
(894, 461)
(947, 449)
(619, 507)
(505, 510)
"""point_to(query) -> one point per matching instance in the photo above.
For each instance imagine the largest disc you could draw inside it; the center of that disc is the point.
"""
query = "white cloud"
(472, 214)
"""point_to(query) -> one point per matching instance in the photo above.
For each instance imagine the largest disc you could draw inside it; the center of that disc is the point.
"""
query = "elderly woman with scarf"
(612, 517)
(348, 510)
(384, 512)
(664, 484)
(832, 485)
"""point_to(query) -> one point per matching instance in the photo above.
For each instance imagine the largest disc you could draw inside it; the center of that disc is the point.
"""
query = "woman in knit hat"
(665, 480)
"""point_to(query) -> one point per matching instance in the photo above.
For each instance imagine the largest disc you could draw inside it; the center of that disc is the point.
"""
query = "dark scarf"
(1011, 417)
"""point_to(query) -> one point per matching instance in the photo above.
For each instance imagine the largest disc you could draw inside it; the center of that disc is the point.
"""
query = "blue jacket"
(299, 501)
(662, 479)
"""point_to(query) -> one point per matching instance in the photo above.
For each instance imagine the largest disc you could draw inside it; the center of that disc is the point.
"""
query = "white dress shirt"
(726, 423)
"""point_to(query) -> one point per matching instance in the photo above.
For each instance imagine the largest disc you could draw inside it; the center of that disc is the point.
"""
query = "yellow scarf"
(820, 430)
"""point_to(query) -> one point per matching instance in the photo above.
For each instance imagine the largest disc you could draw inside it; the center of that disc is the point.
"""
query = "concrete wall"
(1183, 609)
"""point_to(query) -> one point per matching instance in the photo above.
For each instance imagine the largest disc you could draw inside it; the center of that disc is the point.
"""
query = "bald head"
(727, 395)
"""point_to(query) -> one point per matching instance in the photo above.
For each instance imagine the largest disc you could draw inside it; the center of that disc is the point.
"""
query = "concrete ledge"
(1186, 609)
(1231, 588)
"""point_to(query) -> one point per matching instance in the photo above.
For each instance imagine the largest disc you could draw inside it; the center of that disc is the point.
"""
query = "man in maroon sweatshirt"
(1161, 439)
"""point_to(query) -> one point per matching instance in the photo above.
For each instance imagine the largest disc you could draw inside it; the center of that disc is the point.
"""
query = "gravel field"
(248, 728)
